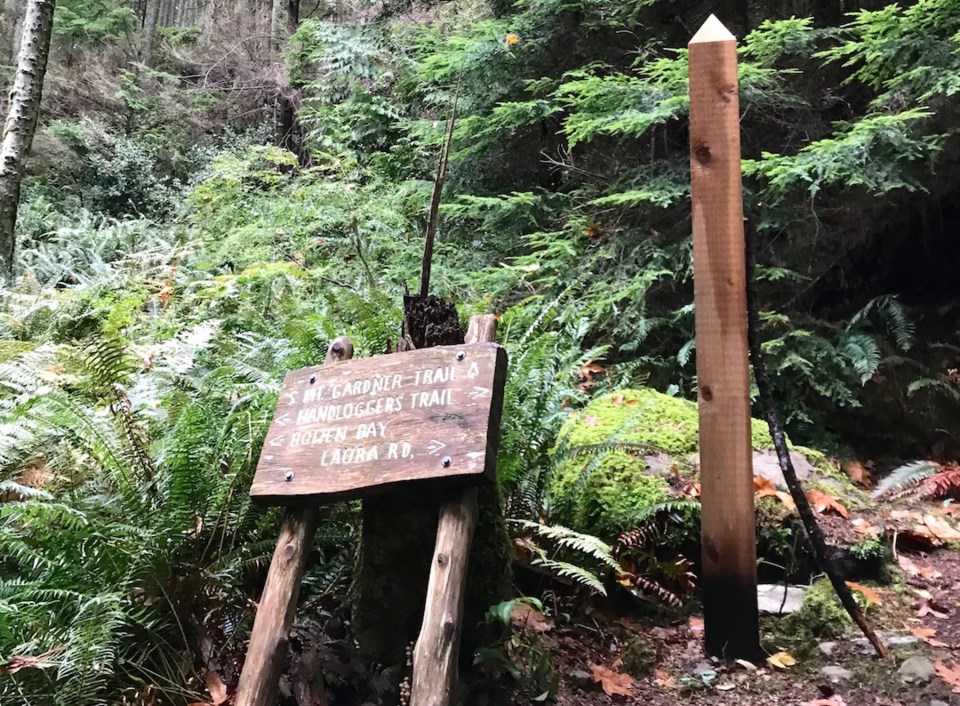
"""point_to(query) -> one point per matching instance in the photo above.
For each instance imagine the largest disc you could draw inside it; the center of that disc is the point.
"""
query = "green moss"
(604, 497)
(603, 478)
(11, 349)
(821, 617)
(646, 417)
(640, 657)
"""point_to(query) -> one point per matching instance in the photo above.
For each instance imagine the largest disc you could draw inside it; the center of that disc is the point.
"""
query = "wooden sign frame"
(435, 656)
(355, 428)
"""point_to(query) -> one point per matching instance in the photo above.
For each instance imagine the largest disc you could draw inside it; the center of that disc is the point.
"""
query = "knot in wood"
(706, 393)
(289, 550)
(443, 559)
(702, 154)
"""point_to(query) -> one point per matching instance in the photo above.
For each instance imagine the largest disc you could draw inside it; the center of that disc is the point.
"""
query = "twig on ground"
(814, 533)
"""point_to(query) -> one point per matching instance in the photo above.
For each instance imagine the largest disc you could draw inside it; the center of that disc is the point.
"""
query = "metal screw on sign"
(446, 461)
(313, 378)
(461, 355)
(288, 476)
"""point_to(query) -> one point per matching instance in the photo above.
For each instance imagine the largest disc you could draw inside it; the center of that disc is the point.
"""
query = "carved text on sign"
(345, 429)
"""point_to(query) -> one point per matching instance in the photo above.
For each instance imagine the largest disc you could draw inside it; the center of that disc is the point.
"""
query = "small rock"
(864, 647)
(916, 670)
(901, 640)
(770, 598)
(703, 668)
(937, 702)
(581, 678)
(827, 648)
(836, 673)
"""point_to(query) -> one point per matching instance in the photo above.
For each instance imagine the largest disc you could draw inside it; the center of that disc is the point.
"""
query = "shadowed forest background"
(217, 189)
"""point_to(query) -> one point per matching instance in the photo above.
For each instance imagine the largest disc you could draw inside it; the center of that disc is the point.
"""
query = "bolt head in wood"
(313, 378)
(461, 355)
(446, 461)
(288, 476)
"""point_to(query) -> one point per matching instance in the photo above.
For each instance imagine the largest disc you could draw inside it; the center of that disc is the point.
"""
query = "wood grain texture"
(728, 523)
(436, 653)
(350, 429)
(278, 602)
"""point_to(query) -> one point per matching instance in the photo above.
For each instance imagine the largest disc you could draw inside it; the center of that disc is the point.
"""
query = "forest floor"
(921, 614)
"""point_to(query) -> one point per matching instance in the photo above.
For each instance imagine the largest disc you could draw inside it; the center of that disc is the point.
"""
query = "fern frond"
(904, 478)
(573, 572)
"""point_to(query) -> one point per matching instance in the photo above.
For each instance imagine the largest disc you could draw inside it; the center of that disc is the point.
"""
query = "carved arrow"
(282, 420)
(478, 392)
(434, 447)
(278, 440)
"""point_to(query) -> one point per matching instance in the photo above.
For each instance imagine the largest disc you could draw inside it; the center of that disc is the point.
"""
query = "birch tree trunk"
(22, 119)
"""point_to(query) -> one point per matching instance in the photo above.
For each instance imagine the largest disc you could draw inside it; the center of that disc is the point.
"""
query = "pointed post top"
(712, 31)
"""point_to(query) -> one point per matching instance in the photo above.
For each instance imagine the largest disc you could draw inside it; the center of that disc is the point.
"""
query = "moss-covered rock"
(821, 617)
(626, 449)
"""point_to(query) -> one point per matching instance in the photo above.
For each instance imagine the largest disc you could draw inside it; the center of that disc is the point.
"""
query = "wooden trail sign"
(731, 627)
(353, 428)
(442, 424)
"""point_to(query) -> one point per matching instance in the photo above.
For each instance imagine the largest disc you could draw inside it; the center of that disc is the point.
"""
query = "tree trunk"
(22, 119)
(399, 534)
(289, 133)
(150, 24)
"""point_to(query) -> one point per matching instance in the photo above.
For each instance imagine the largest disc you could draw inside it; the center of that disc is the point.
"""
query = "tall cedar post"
(437, 650)
(278, 603)
(731, 627)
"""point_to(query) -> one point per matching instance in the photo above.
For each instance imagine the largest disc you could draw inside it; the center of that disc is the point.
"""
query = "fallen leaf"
(612, 682)
(925, 634)
(781, 660)
(764, 487)
(525, 617)
(865, 528)
(912, 568)
(929, 607)
(941, 528)
(587, 372)
(950, 674)
(662, 678)
(216, 687)
(591, 421)
(617, 399)
(824, 502)
(868, 593)
(856, 472)
(747, 665)
(511, 39)
(593, 231)
(695, 624)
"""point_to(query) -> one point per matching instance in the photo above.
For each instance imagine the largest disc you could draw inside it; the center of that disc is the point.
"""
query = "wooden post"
(436, 653)
(726, 455)
(278, 602)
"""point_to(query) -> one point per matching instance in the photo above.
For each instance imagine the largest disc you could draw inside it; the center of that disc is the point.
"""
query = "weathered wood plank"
(437, 650)
(728, 534)
(278, 602)
(345, 430)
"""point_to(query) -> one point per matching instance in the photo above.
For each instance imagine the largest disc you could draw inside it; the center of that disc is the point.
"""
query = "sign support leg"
(271, 627)
(437, 650)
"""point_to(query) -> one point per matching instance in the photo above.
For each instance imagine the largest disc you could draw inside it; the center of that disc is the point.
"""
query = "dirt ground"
(923, 607)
